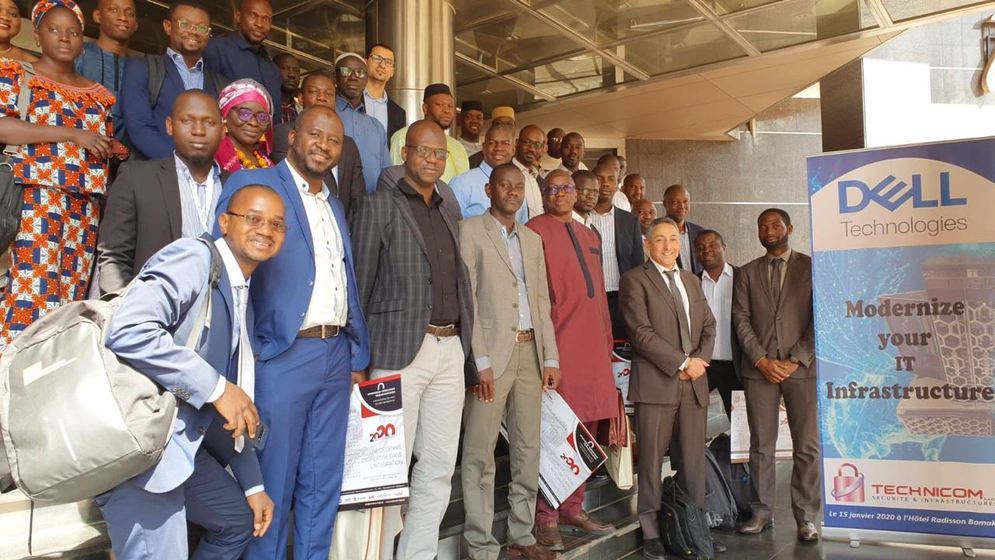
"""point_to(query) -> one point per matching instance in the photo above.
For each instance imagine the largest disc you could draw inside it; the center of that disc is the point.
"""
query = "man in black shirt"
(415, 291)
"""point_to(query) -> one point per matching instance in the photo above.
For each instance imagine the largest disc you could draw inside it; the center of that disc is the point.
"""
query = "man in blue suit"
(312, 338)
(188, 27)
(147, 515)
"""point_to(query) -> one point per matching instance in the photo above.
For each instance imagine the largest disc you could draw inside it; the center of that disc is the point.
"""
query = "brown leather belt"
(525, 336)
(440, 332)
(319, 331)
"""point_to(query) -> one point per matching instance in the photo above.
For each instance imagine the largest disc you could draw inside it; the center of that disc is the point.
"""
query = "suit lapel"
(765, 281)
(619, 238)
(400, 200)
(291, 193)
(450, 223)
(657, 280)
(789, 276)
(496, 237)
(169, 186)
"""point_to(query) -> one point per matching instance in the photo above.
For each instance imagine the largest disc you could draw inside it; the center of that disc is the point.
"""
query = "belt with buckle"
(525, 336)
(319, 331)
(440, 332)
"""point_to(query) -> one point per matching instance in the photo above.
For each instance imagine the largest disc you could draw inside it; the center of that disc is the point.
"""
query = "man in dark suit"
(188, 27)
(416, 291)
(717, 282)
(772, 315)
(672, 333)
(381, 63)
(345, 180)
(313, 341)
(153, 203)
(213, 380)
(621, 240)
(677, 204)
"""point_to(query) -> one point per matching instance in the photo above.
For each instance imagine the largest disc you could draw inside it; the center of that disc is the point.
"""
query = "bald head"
(424, 153)
(316, 142)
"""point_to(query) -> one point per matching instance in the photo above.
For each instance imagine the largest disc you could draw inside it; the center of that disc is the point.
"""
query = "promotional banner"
(739, 432)
(903, 243)
(376, 473)
(622, 367)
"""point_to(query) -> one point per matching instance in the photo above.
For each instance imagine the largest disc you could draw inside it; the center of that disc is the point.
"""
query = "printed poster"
(376, 472)
(739, 432)
(622, 368)
(903, 243)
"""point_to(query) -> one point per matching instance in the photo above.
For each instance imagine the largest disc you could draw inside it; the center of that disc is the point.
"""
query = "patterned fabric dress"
(52, 256)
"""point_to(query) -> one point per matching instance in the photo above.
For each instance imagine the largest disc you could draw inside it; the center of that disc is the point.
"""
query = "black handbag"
(12, 192)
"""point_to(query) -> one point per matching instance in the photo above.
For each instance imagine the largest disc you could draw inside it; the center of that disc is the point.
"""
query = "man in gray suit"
(772, 315)
(415, 292)
(672, 332)
(510, 293)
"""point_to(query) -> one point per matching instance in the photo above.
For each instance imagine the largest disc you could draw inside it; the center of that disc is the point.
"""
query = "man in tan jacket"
(514, 349)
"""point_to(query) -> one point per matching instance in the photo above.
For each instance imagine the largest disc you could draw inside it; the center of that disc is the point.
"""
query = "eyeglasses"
(377, 59)
(358, 72)
(555, 190)
(584, 191)
(256, 222)
(425, 151)
(531, 144)
(245, 115)
(198, 29)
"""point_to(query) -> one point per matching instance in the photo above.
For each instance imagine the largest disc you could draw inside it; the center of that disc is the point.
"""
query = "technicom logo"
(892, 193)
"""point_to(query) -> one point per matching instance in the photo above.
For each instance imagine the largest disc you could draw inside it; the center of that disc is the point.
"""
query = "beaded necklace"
(247, 163)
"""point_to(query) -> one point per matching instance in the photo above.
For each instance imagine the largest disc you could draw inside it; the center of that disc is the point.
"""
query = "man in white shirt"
(528, 150)
(677, 204)
(471, 122)
(717, 282)
(586, 185)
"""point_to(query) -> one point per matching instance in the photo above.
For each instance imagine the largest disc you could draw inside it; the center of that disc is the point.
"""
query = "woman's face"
(10, 20)
(247, 132)
(60, 35)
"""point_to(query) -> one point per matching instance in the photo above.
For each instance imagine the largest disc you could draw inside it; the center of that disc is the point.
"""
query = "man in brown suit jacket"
(672, 331)
(772, 316)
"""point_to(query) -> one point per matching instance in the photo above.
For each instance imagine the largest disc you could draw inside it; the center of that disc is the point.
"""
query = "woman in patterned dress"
(61, 162)
(247, 110)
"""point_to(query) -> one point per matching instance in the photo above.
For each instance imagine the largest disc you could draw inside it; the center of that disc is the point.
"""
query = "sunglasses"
(245, 115)
(425, 151)
(358, 72)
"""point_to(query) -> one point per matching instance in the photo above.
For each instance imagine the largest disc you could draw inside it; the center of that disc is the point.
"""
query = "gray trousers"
(517, 393)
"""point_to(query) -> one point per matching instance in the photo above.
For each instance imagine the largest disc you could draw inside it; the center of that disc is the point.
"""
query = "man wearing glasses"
(351, 77)
(415, 290)
(242, 55)
(152, 83)
(381, 63)
(312, 340)
(583, 337)
(529, 148)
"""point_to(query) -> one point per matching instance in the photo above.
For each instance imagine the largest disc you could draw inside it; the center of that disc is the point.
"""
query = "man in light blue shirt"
(369, 134)
(469, 187)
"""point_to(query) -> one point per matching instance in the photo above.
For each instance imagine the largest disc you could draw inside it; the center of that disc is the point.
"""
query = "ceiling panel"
(573, 75)
(608, 21)
(798, 22)
(723, 7)
(511, 41)
(677, 50)
(906, 9)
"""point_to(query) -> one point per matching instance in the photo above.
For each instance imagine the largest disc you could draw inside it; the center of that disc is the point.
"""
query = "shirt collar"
(726, 271)
(342, 104)
(610, 213)
(785, 256)
(381, 101)
(303, 186)
(231, 265)
(662, 270)
(410, 191)
(504, 230)
(241, 43)
(177, 58)
(486, 169)
(183, 171)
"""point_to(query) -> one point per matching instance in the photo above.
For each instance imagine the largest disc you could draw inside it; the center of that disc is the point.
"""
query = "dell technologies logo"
(891, 193)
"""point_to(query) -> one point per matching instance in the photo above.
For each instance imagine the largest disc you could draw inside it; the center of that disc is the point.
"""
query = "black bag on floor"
(737, 475)
(683, 527)
(720, 505)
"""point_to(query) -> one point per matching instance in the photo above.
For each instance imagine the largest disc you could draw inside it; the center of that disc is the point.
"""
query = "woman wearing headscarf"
(10, 26)
(63, 145)
(248, 113)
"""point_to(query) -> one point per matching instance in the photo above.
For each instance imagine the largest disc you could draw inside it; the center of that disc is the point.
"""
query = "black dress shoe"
(653, 550)
(718, 547)
(807, 532)
(755, 525)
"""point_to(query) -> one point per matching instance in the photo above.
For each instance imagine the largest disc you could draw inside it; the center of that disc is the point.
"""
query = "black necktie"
(583, 262)
(682, 316)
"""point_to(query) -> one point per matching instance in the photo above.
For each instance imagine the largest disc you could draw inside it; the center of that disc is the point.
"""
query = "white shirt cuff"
(684, 364)
(254, 490)
(551, 363)
(219, 389)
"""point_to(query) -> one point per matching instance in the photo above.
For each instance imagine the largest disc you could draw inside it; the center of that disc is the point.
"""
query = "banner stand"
(856, 537)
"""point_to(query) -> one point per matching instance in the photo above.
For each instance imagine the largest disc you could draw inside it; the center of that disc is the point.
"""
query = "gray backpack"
(76, 420)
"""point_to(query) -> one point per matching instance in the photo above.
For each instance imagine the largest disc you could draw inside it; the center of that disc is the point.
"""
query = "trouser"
(573, 505)
(657, 426)
(763, 400)
(722, 376)
(519, 391)
(303, 397)
(147, 526)
(433, 384)
(619, 331)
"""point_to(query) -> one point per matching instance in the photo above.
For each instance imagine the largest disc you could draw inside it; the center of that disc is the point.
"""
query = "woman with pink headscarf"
(247, 110)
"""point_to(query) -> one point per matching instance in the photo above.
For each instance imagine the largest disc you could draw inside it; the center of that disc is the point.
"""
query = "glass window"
(785, 25)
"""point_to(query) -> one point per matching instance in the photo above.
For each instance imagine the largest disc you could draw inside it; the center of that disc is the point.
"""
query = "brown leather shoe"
(755, 525)
(807, 532)
(548, 535)
(531, 551)
(587, 524)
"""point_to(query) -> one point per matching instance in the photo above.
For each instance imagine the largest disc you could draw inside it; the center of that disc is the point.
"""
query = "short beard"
(199, 160)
